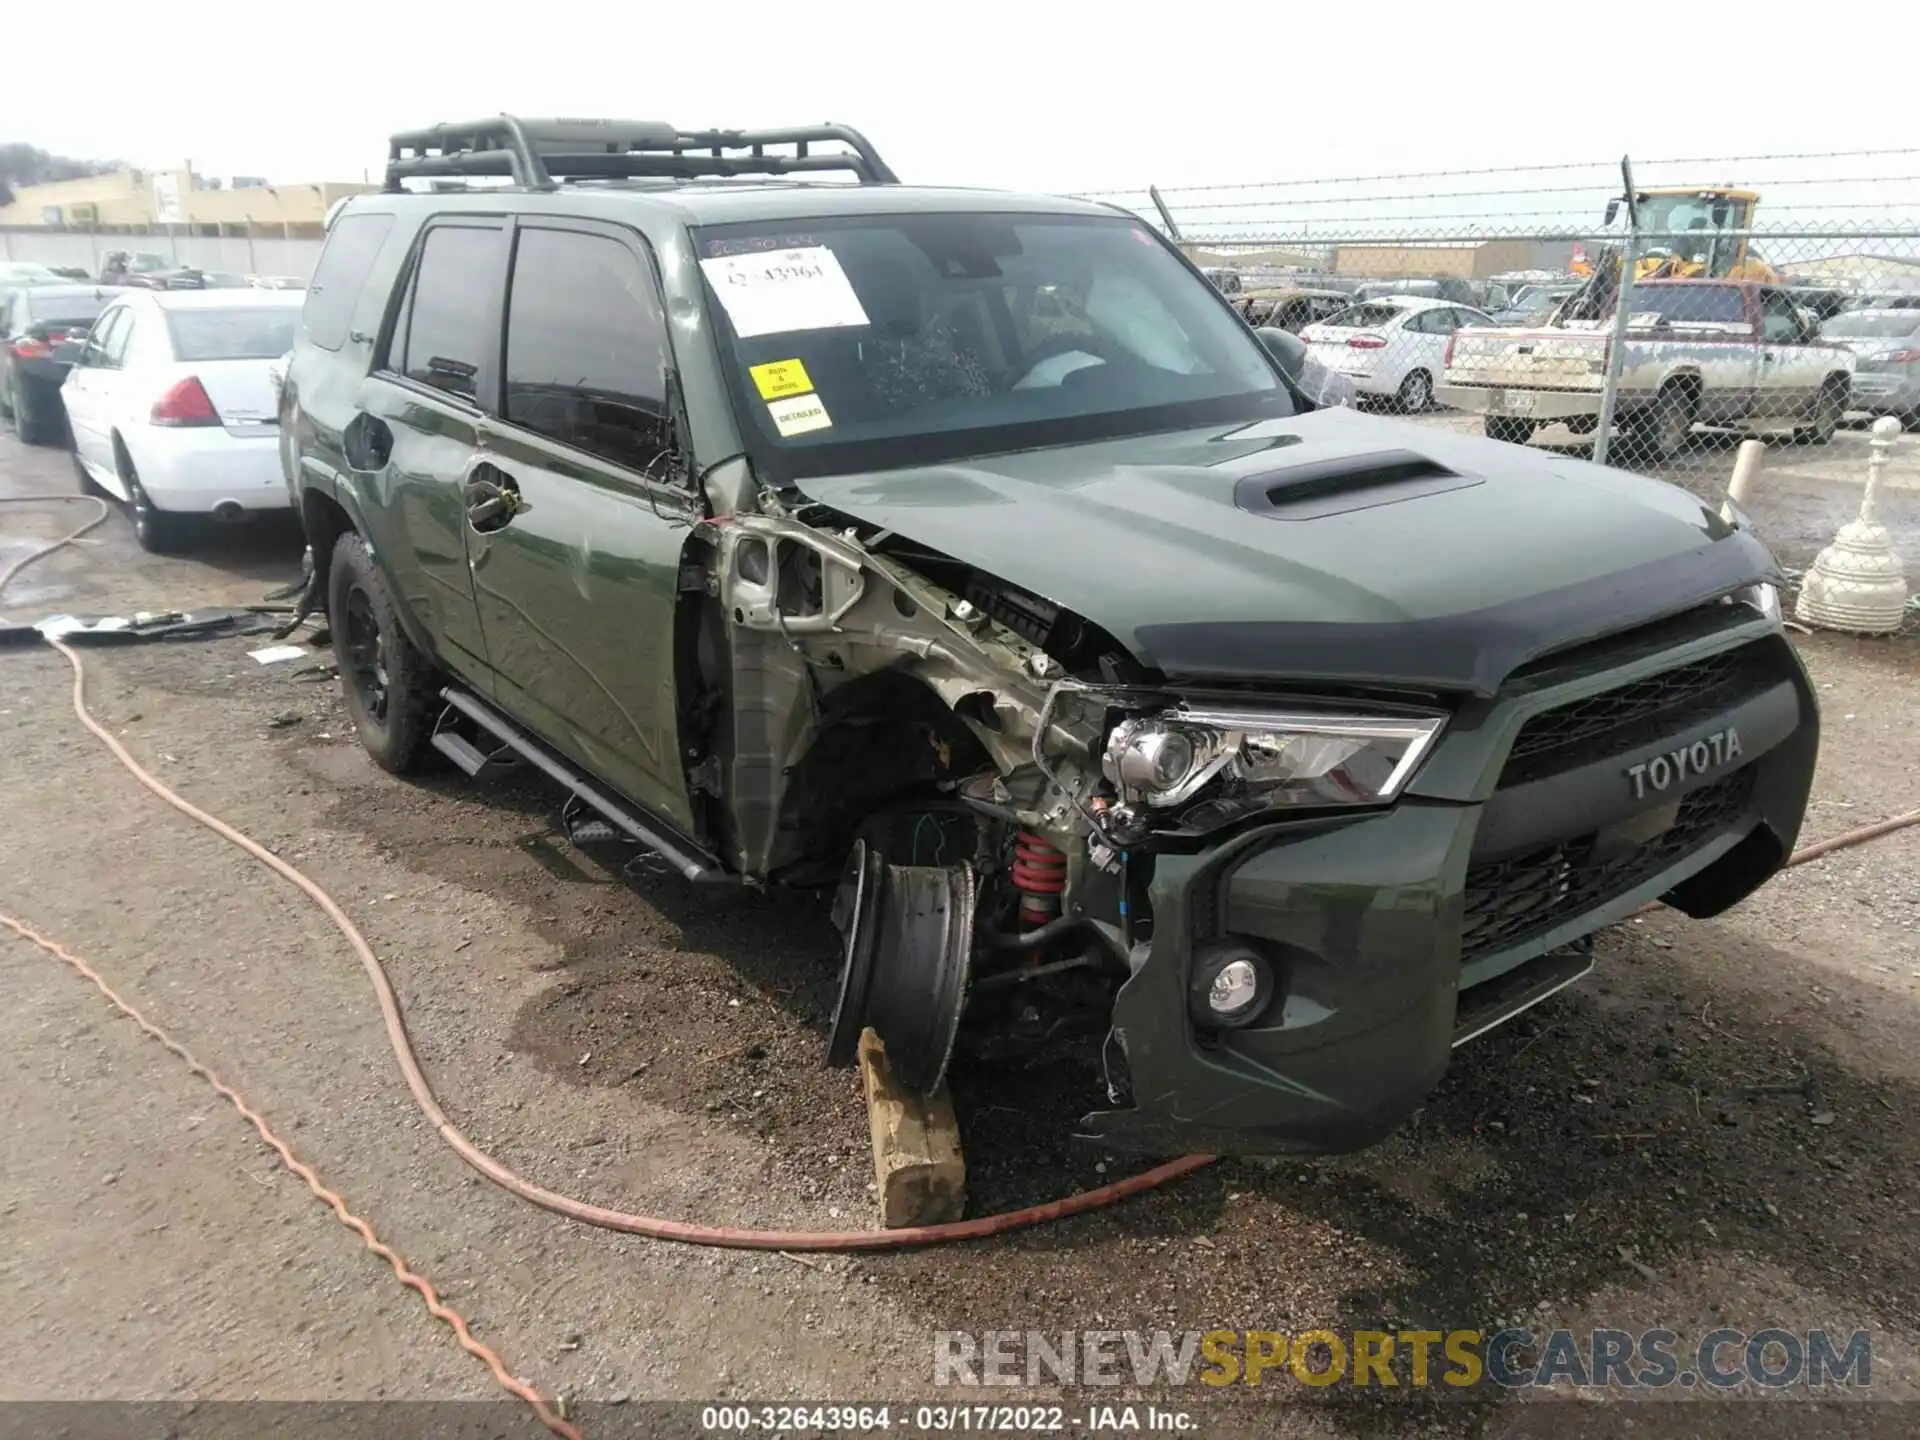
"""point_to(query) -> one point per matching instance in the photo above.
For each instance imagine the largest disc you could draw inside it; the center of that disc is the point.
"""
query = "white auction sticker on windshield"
(798, 414)
(781, 291)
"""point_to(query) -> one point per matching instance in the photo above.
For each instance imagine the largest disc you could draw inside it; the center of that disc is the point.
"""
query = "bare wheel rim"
(1415, 391)
(366, 654)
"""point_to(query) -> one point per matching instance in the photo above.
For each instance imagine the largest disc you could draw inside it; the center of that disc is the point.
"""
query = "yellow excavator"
(1694, 232)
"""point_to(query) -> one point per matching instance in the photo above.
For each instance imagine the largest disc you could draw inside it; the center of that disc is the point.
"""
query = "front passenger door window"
(586, 354)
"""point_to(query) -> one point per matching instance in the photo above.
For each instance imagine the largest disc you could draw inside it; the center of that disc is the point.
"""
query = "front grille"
(1668, 696)
(1515, 899)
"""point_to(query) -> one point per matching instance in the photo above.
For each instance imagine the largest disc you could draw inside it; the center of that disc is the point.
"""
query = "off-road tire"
(1829, 409)
(1505, 427)
(158, 531)
(390, 688)
(1415, 393)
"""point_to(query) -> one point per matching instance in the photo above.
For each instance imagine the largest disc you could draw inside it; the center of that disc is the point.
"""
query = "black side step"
(474, 762)
(686, 857)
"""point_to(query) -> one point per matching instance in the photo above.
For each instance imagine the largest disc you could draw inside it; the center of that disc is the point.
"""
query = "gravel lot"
(1627, 1154)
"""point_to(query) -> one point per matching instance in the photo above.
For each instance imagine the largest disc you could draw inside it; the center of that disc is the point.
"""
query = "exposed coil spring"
(1040, 874)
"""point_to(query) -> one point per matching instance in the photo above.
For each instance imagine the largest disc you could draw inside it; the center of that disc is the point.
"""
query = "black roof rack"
(538, 154)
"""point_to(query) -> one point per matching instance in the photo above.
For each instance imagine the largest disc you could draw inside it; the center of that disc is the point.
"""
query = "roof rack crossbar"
(537, 154)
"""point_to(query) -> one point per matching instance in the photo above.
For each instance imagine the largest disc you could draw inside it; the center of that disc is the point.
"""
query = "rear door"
(422, 426)
(577, 588)
(88, 389)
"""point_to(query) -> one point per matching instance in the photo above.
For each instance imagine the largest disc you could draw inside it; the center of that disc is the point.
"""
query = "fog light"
(1231, 987)
(1234, 989)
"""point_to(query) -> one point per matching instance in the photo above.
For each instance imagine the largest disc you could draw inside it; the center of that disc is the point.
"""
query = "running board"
(683, 855)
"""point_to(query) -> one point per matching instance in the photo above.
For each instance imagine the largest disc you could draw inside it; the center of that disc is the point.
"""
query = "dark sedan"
(40, 330)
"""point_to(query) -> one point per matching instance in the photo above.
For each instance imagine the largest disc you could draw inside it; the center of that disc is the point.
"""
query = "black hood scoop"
(1318, 488)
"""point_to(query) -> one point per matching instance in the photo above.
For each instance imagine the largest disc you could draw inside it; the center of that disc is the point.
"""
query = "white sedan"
(171, 404)
(1392, 348)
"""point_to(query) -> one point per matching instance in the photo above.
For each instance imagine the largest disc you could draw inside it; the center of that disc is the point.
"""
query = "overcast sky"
(1021, 95)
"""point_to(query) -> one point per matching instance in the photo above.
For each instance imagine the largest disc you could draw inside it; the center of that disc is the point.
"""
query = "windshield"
(232, 334)
(1362, 317)
(1690, 224)
(1871, 325)
(872, 342)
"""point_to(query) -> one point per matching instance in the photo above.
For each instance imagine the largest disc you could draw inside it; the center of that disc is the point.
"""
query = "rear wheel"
(389, 685)
(1505, 427)
(158, 531)
(1415, 393)
(1662, 432)
(1829, 409)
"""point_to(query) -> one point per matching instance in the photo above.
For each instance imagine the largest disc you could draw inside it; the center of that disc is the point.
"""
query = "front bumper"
(1400, 934)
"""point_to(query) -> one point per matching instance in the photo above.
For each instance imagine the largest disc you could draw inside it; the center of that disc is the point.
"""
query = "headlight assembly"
(1231, 763)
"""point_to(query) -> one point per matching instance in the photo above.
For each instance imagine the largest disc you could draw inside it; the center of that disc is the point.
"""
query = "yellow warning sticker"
(797, 414)
(778, 378)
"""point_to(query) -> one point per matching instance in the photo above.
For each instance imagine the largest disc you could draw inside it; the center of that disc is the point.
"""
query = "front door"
(580, 512)
(1789, 376)
(420, 427)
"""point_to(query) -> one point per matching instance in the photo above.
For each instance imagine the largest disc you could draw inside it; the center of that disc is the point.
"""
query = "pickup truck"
(1698, 351)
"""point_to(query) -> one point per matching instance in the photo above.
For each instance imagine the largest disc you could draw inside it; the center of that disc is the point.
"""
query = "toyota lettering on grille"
(1662, 772)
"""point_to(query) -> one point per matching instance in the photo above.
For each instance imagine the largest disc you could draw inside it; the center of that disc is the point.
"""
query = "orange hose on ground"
(403, 1272)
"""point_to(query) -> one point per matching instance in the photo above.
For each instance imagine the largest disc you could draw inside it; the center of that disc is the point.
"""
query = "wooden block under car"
(919, 1173)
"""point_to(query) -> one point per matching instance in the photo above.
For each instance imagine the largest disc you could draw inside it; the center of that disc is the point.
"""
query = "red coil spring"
(1040, 871)
(1038, 866)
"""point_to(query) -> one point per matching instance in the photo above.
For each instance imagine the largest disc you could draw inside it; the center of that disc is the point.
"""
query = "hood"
(1329, 546)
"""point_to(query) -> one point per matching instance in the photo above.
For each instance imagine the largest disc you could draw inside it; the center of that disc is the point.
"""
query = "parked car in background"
(222, 280)
(1886, 359)
(1885, 300)
(1717, 352)
(1225, 279)
(1533, 304)
(18, 274)
(172, 407)
(276, 282)
(41, 328)
(1290, 309)
(1443, 287)
(1393, 348)
(133, 267)
(72, 272)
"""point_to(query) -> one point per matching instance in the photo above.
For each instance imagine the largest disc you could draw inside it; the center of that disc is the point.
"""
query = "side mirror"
(1288, 350)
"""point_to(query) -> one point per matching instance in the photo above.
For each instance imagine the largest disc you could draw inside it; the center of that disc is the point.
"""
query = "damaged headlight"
(1761, 596)
(1236, 763)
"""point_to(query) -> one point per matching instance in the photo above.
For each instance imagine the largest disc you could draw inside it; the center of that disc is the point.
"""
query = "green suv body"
(966, 553)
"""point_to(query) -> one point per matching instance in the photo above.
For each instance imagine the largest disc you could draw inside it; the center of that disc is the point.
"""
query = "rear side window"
(353, 244)
(450, 321)
(255, 334)
(587, 347)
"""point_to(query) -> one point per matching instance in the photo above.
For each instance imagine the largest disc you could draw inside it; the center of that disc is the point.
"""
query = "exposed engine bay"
(982, 777)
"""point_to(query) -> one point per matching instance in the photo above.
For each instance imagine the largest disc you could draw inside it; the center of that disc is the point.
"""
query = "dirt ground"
(1633, 1152)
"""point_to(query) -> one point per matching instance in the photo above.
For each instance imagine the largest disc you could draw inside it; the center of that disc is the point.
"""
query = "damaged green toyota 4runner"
(966, 557)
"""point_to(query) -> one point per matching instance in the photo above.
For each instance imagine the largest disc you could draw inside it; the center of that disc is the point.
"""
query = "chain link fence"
(1539, 308)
